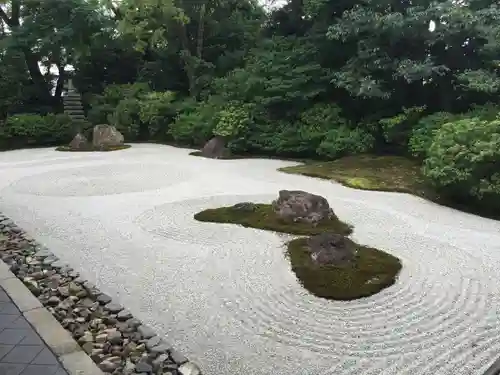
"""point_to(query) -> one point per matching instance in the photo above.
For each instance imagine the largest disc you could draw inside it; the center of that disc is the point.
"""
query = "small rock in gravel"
(134, 323)
(160, 349)
(101, 337)
(53, 301)
(124, 315)
(63, 291)
(177, 357)
(189, 369)
(115, 338)
(113, 308)
(108, 365)
(43, 253)
(57, 264)
(146, 332)
(103, 299)
(152, 342)
(143, 366)
(86, 338)
(158, 362)
(49, 260)
(74, 288)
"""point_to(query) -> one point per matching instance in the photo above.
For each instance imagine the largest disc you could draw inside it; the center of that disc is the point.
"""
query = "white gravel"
(225, 296)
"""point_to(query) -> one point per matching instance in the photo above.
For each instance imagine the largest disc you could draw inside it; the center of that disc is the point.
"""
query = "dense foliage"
(312, 78)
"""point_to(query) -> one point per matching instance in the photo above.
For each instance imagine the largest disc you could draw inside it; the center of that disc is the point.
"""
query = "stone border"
(494, 369)
(109, 340)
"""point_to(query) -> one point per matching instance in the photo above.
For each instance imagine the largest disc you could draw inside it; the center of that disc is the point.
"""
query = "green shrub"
(488, 111)
(28, 130)
(464, 161)
(126, 118)
(157, 111)
(195, 123)
(396, 130)
(304, 136)
(343, 141)
(231, 120)
(424, 131)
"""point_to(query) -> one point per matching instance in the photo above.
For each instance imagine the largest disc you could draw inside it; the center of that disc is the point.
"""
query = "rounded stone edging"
(116, 341)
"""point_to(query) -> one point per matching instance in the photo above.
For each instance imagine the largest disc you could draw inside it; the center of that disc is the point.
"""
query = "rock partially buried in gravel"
(177, 357)
(113, 308)
(146, 332)
(189, 368)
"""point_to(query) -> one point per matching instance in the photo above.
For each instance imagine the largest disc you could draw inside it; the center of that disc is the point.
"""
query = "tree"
(48, 33)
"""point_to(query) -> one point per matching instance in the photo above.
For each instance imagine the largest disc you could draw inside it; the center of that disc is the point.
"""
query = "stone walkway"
(226, 297)
(22, 352)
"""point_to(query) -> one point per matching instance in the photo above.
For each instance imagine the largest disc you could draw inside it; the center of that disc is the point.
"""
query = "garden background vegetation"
(312, 79)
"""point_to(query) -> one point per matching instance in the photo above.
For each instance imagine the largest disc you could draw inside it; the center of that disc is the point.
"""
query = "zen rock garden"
(327, 262)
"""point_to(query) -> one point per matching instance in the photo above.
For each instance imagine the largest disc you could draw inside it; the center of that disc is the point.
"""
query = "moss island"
(368, 272)
(91, 148)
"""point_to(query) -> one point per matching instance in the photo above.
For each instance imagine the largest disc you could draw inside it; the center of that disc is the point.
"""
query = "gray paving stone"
(40, 370)
(31, 338)
(20, 323)
(4, 349)
(4, 297)
(11, 368)
(7, 321)
(8, 308)
(45, 357)
(22, 354)
(12, 336)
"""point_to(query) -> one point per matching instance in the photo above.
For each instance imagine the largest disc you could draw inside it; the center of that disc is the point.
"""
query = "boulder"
(79, 142)
(106, 135)
(331, 249)
(301, 206)
(214, 148)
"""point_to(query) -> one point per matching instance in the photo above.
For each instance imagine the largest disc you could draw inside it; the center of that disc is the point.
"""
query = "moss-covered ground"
(371, 271)
(91, 148)
(370, 172)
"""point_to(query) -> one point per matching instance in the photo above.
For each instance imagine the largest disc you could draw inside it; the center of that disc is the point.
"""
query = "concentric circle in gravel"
(436, 305)
(107, 179)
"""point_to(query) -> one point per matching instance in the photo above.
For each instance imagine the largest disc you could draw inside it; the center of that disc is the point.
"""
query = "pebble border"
(118, 343)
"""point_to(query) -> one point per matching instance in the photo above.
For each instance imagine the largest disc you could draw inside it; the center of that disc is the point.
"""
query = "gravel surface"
(225, 296)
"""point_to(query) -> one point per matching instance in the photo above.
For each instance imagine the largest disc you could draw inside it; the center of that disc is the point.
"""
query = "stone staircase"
(73, 107)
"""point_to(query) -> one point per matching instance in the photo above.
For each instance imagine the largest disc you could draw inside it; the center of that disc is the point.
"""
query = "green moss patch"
(371, 271)
(226, 156)
(91, 148)
(370, 172)
(263, 217)
(368, 273)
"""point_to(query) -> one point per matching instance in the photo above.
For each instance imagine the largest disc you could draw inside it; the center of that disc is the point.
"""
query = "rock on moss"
(264, 217)
(368, 273)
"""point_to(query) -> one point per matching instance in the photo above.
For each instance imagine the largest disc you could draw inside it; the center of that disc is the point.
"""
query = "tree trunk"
(30, 58)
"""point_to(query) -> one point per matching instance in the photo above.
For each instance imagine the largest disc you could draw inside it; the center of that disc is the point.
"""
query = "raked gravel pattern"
(225, 295)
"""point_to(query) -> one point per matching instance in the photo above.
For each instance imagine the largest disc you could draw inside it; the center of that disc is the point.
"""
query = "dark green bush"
(396, 130)
(464, 161)
(126, 118)
(157, 112)
(424, 131)
(343, 141)
(195, 123)
(29, 130)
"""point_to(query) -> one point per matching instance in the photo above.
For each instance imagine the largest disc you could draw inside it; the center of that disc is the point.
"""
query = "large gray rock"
(80, 142)
(106, 135)
(331, 249)
(301, 206)
(214, 148)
